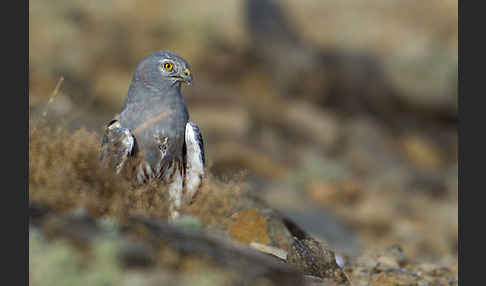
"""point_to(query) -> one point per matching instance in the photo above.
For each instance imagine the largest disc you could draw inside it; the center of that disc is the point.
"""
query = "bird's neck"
(148, 93)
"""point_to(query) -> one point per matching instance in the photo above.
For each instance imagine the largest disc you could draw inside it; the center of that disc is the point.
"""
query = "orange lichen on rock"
(248, 226)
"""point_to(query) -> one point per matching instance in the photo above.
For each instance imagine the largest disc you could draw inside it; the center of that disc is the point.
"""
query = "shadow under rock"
(322, 223)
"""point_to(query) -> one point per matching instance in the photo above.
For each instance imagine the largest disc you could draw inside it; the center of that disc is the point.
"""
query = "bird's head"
(164, 69)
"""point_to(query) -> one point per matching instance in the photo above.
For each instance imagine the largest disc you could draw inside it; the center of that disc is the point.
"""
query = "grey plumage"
(153, 127)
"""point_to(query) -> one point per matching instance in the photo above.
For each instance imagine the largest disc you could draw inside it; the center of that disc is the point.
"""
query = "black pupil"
(168, 66)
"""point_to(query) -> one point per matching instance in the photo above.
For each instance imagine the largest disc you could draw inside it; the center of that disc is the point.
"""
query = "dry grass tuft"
(216, 201)
(64, 173)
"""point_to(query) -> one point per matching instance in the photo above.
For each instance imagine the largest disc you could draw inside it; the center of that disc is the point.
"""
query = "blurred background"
(340, 114)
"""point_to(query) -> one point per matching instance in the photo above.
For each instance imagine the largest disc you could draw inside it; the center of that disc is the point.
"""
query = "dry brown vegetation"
(65, 173)
(350, 129)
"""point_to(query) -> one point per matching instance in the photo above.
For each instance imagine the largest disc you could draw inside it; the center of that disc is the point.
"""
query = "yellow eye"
(168, 66)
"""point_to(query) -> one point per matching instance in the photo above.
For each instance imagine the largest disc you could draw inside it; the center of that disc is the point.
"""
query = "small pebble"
(339, 261)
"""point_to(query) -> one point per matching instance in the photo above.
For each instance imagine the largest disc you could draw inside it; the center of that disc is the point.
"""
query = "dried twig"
(53, 95)
(51, 99)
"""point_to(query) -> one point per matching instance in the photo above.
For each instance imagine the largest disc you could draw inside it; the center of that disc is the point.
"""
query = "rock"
(136, 254)
(142, 242)
(249, 264)
(329, 193)
(388, 262)
(37, 212)
(396, 252)
(311, 258)
(394, 279)
(422, 153)
(326, 225)
(188, 222)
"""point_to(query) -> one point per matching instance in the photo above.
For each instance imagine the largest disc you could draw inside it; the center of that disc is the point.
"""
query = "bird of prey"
(153, 136)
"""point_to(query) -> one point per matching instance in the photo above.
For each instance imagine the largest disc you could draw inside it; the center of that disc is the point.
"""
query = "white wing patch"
(194, 161)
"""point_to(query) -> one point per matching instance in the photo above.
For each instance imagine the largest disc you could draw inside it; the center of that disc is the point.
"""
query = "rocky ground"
(330, 130)
(86, 224)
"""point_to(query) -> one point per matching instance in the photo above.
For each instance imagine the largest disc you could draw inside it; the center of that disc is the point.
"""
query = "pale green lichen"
(189, 222)
(58, 263)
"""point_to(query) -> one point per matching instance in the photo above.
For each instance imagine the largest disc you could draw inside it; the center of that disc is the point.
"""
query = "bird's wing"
(194, 161)
(117, 145)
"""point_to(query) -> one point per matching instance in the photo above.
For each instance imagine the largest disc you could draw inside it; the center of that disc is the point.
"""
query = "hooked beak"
(184, 76)
(187, 76)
